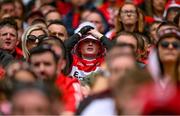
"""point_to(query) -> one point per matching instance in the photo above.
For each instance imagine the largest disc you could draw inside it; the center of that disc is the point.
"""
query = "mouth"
(90, 49)
(8, 43)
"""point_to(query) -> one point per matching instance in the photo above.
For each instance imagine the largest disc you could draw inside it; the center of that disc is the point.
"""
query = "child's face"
(89, 48)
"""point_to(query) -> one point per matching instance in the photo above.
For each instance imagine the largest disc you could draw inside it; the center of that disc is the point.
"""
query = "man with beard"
(48, 66)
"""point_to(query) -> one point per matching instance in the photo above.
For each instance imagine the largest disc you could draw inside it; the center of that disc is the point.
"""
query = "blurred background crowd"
(89, 57)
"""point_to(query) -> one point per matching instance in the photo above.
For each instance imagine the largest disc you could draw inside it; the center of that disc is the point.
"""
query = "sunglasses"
(34, 39)
(165, 44)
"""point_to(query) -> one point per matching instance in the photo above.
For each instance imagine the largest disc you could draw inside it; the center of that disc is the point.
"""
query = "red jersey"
(82, 67)
(71, 91)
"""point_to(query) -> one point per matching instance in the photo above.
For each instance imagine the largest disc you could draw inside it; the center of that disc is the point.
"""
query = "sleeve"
(69, 44)
(73, 97)
(106, 42)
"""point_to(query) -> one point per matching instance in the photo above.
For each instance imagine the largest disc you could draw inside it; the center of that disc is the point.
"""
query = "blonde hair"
(139, 24)
(24, 38)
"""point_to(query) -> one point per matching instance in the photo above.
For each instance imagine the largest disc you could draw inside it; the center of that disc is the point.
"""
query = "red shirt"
(71, 91)
(2, 72)
(18, 53)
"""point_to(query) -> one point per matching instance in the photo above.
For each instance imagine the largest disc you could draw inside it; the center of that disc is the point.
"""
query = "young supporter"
(88, 47)
(47, 61)
(9, 37)
(120, 57)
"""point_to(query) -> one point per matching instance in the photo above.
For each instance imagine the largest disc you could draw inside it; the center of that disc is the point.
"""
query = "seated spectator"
(155, 8)
(88, 47)
(9, 37)
(19, 9)
(47, 62)
(164, 61)
(97, 18)
(129, 19)
(52, 15)
(7, 8)
(31, 38)
(45, 8)
(152, 31)
(33, 16)
(171, 11)
(35, 99)
(125, 92)
(119, 58)
(21, 72)
(58, 29)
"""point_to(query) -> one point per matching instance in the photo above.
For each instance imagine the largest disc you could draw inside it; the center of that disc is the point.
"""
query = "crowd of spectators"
(89, 57)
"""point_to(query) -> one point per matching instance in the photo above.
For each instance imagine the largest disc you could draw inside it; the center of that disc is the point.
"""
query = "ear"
(61, 64)
(17, 42)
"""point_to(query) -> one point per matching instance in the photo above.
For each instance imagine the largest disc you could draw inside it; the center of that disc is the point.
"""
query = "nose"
(128, 14)
(8, 35)
(41, 68)
(37, 41)
(170, 46)
(90, 43)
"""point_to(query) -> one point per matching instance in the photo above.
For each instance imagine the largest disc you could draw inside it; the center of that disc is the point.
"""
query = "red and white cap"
(173, 4)
(86, 38)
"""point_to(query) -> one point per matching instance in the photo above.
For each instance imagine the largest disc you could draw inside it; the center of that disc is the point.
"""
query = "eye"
(37, 64)
(47, 64)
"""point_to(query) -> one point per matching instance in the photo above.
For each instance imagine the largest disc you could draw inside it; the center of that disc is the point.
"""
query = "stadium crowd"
(89, 57)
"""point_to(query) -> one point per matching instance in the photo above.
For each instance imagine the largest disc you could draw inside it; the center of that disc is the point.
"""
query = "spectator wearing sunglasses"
(168, 55)
(31, 37)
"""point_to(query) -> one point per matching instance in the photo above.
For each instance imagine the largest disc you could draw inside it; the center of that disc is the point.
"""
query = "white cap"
(84, 24)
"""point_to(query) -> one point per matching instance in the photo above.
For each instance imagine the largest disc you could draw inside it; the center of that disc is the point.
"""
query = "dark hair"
(23, 7)
(10, 22)
(169, 32)
(34, 13)
(42, 49)
(104, 21)
(176, 19)
(39, 20)
(56, 22)
(51, 40)
(51, 12)
(6, 2)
